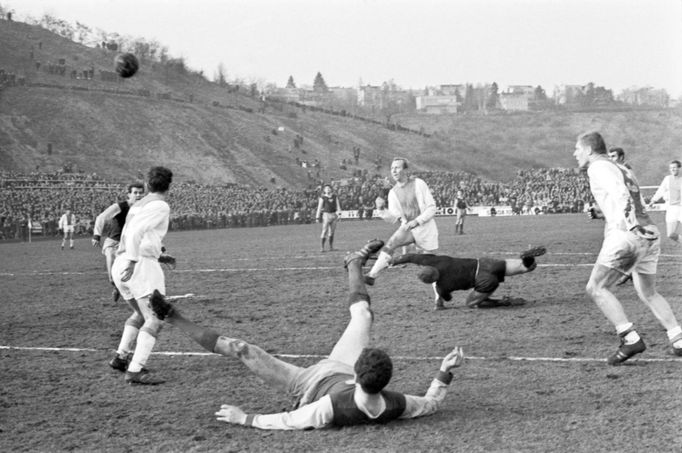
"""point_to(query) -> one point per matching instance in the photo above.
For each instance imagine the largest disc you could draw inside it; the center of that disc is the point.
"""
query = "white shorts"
(673, 214)
(147, 277)
(108, 245)
(69, 229)
(426, 236)
(626, 252)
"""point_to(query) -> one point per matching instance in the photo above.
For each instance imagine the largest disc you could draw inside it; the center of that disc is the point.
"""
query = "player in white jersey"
(631, 244)
(137, 273)
(411, 204)
(671, 191)
(67, 223)
(115, 216)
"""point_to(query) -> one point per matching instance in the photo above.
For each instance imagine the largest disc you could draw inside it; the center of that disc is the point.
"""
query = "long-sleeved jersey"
(145, 228)
(670, 190)
(321, 413)
(616, 191)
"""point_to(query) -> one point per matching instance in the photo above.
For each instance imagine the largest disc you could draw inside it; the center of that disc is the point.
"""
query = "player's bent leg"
(126, 346)
(273, 371)
(357, 333)
(146, 339)
(645, 285)
(356, 336)
(474, 298)
(601, 279)
(398, 239)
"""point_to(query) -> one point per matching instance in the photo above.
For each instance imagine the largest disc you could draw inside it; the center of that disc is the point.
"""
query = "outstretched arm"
(417, 406)
(314, 415)
(422, 259)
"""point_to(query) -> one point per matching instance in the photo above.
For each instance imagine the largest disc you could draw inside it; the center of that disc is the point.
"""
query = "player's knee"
(361, 310)
(592, 288)
(152, 327)
(135, 320)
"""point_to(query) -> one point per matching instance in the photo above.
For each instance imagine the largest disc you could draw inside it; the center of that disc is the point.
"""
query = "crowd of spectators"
(41, 198)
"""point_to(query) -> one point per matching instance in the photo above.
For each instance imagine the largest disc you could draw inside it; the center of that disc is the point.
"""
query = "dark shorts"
(489, 275)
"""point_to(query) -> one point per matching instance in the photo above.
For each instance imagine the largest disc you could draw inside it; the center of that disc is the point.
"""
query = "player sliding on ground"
(346, 388)
(483, 275)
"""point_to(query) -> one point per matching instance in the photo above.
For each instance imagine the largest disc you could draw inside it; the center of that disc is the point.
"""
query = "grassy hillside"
(167, 115)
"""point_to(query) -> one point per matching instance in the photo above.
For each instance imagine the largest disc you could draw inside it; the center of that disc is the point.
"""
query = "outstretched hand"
(231, 414)
(453, 360)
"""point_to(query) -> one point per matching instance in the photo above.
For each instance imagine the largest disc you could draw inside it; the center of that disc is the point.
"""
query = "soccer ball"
(126, 65)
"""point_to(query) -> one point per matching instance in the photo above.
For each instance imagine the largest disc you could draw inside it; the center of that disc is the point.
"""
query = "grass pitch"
(536, 379)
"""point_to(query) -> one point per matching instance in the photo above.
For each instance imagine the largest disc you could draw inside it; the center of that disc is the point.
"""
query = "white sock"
(631, 338)
(624, 327)
(380, 264)
(145, 344)
(127, 344)
(674, 332)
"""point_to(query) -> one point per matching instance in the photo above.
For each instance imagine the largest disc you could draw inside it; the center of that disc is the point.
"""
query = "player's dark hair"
(373, 369)
(159, 179)
(595, 141)
(429, 274)
(135, 185)
(406, 164)
(619, 152)
(676, 162)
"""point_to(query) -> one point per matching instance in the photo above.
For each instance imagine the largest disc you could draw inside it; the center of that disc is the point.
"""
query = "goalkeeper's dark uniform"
(454, 274)
(483, 275)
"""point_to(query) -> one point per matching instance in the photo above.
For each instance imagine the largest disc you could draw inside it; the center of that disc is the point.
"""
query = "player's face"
(398, 170)
(674, 169)
(135, 194)
(581, 154)
(327, 191)
(614, 157)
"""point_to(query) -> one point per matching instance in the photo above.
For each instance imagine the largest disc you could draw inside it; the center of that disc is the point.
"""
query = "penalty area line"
(320, 356)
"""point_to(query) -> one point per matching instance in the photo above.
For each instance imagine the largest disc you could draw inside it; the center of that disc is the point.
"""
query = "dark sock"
(357, 291)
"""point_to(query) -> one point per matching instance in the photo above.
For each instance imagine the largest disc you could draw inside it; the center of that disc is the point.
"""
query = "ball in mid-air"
(126, 65)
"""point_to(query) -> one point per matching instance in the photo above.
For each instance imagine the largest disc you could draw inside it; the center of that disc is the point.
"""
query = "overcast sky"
(613, 43)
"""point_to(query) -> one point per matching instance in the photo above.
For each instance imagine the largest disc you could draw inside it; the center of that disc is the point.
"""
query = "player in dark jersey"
(346, 388)
(482, 275)
(328, 208)
(110, 224)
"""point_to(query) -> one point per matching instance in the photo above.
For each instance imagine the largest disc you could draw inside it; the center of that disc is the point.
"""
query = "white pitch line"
(319, 356)
(263, 269)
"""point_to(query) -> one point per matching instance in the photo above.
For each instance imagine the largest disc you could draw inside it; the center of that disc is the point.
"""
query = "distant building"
(514, 102)
(645, 96)
(567, 94)
(448, 90)
(285, 94)
(369, 95)
(438, 104)
(517, 98)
